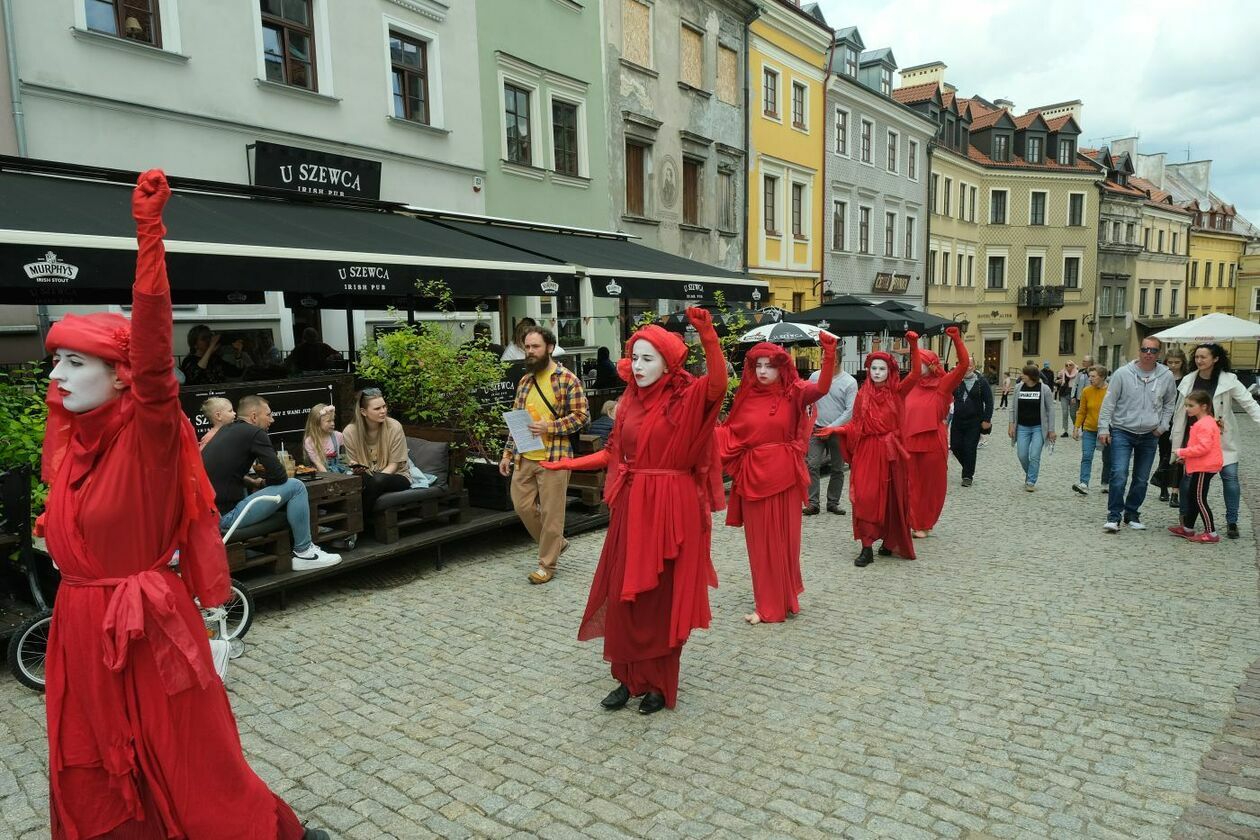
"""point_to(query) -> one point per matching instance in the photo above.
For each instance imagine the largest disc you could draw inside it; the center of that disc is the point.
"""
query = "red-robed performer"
(142, 742)
(878, 462)
(763, 444)
(651, 585)
(926, 438)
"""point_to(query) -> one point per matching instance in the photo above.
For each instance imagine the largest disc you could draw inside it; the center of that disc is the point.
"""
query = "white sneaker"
(314, 558)
(1111, 527)
(1029, 487)
(1083, 489)
(1136, 526)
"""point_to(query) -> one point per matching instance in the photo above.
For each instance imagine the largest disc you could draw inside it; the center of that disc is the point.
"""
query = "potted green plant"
(440, 389)
(23, 415)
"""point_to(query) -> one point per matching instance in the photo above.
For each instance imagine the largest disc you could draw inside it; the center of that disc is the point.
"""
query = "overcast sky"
(1177, 75)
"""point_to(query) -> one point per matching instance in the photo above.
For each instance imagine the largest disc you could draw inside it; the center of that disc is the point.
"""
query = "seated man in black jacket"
(231, 453)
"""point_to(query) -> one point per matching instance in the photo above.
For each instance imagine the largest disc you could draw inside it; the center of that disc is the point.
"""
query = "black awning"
(71, 239)
(618, 267)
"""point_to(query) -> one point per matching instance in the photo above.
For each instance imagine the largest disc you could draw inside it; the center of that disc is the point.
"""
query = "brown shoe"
(541, 575)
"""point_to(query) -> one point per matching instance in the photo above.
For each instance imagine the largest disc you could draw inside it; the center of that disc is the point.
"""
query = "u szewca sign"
(318, 173)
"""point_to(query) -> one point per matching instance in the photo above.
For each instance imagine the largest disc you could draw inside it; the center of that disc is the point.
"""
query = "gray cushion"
(277, 521)
(403, 497)
(432, 457)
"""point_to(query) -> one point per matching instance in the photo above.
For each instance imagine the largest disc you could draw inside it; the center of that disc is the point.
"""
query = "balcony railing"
(1041, 297)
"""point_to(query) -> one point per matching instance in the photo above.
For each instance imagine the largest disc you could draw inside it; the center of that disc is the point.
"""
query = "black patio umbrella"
(924, 323)
(849, 315)
(677, 321)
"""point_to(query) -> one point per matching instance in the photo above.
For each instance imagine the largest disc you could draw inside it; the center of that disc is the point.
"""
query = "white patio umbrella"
(783, 333)
(1216, 326)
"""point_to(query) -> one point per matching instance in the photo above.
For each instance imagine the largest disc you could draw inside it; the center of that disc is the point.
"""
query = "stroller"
(28, 644)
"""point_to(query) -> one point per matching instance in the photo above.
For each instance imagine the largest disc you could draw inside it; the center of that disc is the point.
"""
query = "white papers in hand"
(518, 426)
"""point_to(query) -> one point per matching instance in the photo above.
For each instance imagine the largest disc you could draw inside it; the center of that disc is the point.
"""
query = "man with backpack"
(554, 397)
(973, 416)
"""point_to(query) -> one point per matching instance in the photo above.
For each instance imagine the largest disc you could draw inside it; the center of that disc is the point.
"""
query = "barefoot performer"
(871, 442)
(142, 742)
(926, 438)
(763, 446)
(651, 586)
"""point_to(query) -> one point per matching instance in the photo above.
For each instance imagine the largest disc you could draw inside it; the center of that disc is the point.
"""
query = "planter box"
(486, 488)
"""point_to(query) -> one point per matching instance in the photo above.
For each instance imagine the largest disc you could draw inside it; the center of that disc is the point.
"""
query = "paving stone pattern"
(1027, 677)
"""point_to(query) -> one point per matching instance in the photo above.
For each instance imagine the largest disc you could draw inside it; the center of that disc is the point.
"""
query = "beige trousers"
(539, 497)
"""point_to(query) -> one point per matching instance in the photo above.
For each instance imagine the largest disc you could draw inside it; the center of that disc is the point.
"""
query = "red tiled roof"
(1123, 189)
(948, 98)
(915, 93)
(1017, 162)
(1058, 122)
(986, 119)
(1092, 154)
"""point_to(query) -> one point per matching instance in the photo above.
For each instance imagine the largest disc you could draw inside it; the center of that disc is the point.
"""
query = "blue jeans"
(1233, 493)
(1141, 449)
(1089, 444)
(292, 498)
(1028, 443)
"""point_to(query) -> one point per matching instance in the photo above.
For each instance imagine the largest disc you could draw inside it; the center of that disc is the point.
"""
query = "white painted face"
(767, 373)
(646, 363)
(85, 382)
(879, 371)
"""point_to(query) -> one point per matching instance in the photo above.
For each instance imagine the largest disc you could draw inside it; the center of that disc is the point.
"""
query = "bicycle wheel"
(240, 611)
(27, 650)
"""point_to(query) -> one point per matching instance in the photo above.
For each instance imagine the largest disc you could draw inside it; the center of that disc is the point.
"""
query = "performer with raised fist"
(651, 586)
(926, 439)
(871, 442)
(142, 742)
(763, 444)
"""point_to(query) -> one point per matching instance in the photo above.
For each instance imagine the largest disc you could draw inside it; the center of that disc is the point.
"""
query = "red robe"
(142, 742)
(650, 588)
(878, 476)
(926, 437)
(763, 445)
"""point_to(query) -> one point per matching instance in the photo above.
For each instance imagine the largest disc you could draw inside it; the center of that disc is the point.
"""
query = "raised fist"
(953, 332)
(149, 196)
(699, 317)
(912, 336)
(828, 341)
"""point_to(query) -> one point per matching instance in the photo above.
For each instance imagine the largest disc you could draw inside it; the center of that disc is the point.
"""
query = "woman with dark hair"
(879, 488)
(203, 365)
(763, 444)
(1212, 374)
(141, 738)
(651, 585)
(1167, 476)
(1032, 422)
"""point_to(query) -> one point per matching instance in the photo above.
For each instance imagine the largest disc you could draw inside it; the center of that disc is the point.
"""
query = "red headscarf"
(935, 369)
(673, 351)
(877, 409)
(789, 379)
(108, 337)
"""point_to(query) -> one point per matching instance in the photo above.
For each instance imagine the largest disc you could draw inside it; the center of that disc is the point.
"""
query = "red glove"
(828, 342)
(953, 332)
(562, 464)
(912, 336)
(149, 196)
(699, 318)
(828, 431)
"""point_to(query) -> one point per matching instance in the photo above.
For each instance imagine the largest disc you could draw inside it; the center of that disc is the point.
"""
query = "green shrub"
(23, 415)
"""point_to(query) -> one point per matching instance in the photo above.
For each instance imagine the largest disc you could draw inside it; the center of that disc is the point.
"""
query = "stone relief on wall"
(669, 181)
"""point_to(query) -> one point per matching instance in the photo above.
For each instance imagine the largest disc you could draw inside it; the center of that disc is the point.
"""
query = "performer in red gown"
(871, 444)
(926, 438)
(142, 742)
(763, 444)
(651, 586)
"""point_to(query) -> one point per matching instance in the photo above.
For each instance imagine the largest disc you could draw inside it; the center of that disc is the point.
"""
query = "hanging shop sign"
(317, 173)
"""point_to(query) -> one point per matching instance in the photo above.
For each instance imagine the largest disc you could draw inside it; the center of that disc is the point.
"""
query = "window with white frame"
(892, 151)
(890, 234)
(908, 251)
(517, 122)
(864, 230)
(850, 62)
(971, 269)
(885, 82)
(997, 207)
(1036, 207)
(1172, 301)
(997, 271)
(770, 92)
(769, 202)
(1072, 271)
(947, 196)
(931, 266)
(1104, 301)
(961, 275)
(868, 132)
(944, 273)
(409, 76)
(1036, 265)
(971, 203)
(842, 132)
(565, 132)
(800, 106)
(288, 30)
(1076, 209)
(135, 20)
(839, 214)
(798, 211)
(912, 161)
(962, 200)
(1067, 152)
(726, 200)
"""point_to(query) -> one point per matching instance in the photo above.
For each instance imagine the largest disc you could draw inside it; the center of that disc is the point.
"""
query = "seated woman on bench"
(376, 441)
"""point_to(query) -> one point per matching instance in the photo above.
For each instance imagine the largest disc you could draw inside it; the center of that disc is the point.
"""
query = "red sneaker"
(1180, 531)
(1204, 538)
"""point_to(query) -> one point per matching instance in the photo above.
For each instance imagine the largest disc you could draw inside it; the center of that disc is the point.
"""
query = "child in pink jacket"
(1203, 459)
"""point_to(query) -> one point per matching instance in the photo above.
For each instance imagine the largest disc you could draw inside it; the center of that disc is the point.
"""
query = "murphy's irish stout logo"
(613, 288)
(51, 270)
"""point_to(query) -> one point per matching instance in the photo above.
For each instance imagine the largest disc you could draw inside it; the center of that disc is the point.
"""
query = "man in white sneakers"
(231, 453)
(1138, 409)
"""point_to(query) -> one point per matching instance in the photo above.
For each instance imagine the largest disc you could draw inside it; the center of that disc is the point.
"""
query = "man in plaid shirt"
(554, 397)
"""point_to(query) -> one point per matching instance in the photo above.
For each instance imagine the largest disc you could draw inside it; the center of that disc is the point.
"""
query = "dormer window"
(850, 62)
(1034, 150)
(1067, 152)
(1002, 147)
(885, 81)
(1122, 178)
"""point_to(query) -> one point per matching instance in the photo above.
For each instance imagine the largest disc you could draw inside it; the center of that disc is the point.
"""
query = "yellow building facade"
(1215, 257)
(1246, 354)
(787, 50)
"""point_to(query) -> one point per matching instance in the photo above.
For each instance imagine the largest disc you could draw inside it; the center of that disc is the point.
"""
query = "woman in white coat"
(1212, 374)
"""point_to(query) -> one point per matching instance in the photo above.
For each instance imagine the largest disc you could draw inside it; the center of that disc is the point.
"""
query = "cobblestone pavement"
(1027, 677)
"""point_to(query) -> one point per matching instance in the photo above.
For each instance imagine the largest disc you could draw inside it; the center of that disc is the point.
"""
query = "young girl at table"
(220, 413)
(322, 441)
(1203, 459)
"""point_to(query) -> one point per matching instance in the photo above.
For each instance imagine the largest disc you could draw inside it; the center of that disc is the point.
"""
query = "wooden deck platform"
(477, 521)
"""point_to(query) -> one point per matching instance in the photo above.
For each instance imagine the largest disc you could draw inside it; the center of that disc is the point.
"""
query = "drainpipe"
(15, 86)
(748, 21)
(821, 238)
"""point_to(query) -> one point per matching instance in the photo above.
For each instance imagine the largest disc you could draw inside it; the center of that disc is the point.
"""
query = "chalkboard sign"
(291, 403)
